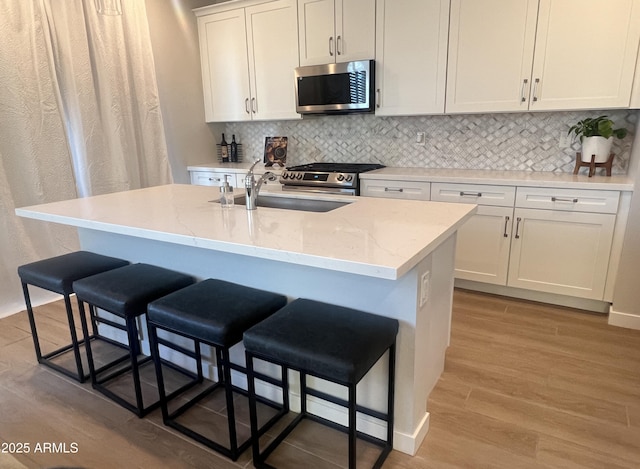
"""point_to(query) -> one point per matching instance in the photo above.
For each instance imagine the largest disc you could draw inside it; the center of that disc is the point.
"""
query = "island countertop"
(373, 237)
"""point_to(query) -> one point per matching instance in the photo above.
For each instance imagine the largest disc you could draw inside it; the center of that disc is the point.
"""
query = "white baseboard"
(630, 321)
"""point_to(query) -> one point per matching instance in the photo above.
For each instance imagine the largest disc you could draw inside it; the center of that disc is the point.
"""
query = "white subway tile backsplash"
(523, 141)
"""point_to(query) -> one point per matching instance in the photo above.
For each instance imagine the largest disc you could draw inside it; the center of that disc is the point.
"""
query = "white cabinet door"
(355, 30)
(272, 45)
(316, 27)
(482, 249)
(635, 91)
(411, 56)
(225, 73)
(518, 55)
(585, 54)
(212, 178)
(491, 44)
(334, 31)
(414, 190)
(561, 252)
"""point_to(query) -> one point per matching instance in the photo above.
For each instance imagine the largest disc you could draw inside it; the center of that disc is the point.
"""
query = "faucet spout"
(252, 187)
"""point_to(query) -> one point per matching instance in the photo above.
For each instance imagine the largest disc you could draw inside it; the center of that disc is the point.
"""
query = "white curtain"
(79, 116)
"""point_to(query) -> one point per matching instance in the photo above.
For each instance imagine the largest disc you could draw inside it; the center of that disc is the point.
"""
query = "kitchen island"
(389, 257)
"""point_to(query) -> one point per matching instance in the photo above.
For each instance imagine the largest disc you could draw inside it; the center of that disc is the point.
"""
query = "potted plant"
(596, 135)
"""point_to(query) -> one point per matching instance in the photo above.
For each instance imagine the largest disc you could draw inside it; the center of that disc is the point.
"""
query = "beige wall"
(174, 39)
(626, 296)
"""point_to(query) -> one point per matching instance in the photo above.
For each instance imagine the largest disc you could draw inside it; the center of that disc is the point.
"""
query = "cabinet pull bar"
(560, 199)
(393, 189)
(331, 46)
(338, 41)
(518, 220)
(214, 179)
(246, 106)
(523, 97)
(378, 98)
(470, 194)
(506, 224)
(254, 105)
(535, 89)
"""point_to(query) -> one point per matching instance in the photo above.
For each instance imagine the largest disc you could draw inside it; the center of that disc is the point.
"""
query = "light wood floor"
(525, 386)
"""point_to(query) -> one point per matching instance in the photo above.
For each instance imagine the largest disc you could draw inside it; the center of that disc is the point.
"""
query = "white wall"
(626, 296)
(174, 39)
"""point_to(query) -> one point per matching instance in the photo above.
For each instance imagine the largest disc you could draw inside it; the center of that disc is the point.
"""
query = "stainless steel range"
(338, 178)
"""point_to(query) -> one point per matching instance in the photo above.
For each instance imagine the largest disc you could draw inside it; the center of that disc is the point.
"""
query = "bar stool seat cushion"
(338, 343)
(127, 291)
(214, 311)
(57, 274)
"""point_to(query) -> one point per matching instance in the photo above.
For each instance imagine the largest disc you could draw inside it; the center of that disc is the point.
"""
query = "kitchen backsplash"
(512, 142)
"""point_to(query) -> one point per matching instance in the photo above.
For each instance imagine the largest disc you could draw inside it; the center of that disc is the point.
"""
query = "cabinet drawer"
(574, 200)
(481, 194)
(210, 178)
(415, 190)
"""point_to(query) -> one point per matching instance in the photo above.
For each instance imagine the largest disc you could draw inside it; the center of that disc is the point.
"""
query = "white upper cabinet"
(518, 55)
(334, 31)
(243, 78)
(491, 45)
(411, 56)
(635, 91)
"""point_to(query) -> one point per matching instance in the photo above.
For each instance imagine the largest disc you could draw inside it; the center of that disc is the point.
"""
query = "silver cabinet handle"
(393, 189)
(378, 98)
(254, 105)
(470, 194)
(215, 179)
(523, 96)
(518, 220)
(560, 199)
(535, 89)
(246, 106)
(506, 224)
(338, 41)
(331, 46)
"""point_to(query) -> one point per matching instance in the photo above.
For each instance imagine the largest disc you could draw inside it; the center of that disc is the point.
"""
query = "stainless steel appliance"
(335, 88)
(338, 178)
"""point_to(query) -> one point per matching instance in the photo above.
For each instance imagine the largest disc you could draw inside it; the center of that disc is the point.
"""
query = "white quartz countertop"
(504, 178)
(235, 168)
(373, 237)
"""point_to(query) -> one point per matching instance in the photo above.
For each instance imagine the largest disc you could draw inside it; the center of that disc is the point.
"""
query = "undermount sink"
(295, 203)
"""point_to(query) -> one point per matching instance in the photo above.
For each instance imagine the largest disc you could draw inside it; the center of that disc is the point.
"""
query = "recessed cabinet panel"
(334, 31)
(415, 190)
(223, 53)
(411, 56)
(273, 82)
(561, 252)
(585, 54)
(482, 249)
(491, 44)
(316, 20)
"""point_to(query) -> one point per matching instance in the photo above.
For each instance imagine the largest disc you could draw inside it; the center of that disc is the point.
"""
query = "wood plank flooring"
(525, 386)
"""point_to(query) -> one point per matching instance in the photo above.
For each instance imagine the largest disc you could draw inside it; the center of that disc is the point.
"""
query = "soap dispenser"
(226, 193)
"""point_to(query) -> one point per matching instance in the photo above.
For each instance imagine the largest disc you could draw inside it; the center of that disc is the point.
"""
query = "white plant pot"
(599, 146)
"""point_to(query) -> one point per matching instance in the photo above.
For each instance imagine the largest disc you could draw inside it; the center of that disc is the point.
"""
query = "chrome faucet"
(252, 187)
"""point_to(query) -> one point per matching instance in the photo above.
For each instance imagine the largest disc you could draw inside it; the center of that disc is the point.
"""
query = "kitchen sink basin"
(295, 203)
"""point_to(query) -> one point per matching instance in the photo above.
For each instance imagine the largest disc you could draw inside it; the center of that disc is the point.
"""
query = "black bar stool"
(215, 313)
(125, 292)
(57, 274)
(332, 343)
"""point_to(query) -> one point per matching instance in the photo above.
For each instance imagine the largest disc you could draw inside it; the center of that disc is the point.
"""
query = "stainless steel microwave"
(335, 88)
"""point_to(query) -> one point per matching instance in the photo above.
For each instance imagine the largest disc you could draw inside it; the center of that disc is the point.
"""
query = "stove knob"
(284, 175)
(341, 177)
(299, 176)
(349, 178)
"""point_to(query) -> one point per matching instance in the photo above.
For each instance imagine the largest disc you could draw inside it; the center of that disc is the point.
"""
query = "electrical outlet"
(565, 140)
(420, 138)
(425, 286)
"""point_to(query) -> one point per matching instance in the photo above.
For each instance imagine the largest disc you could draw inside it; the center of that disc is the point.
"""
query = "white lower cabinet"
(566, 249)
(482, 249)
(561, 245)
(415, 190)
(212, 178)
